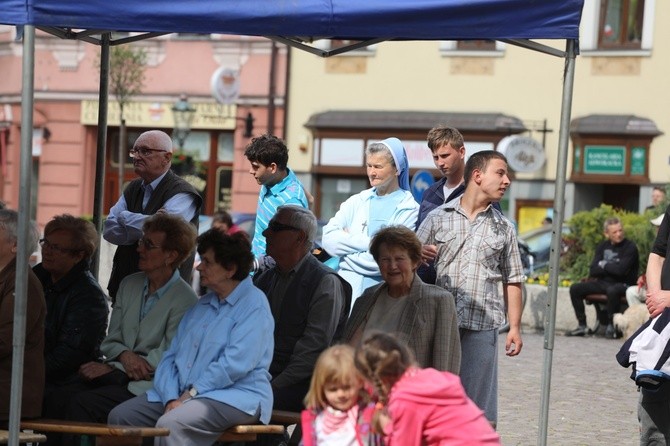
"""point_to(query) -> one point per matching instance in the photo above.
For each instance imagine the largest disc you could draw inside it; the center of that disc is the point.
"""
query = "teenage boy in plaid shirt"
(475, 247)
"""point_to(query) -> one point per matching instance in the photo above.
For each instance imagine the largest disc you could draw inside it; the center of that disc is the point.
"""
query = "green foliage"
(126, 72)
(587, 232)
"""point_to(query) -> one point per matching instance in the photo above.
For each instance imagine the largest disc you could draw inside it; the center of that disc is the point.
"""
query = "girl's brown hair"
(382, 359)
(335, 365)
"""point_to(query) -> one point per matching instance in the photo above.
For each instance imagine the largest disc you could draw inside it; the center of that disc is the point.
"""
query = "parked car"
(537, 243)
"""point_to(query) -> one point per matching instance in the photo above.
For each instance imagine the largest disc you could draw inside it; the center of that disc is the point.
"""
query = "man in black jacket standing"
(156, 189)
(613, 269)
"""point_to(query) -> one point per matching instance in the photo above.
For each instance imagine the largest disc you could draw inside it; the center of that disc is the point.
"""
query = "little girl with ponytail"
(339, 411)
(418, 407)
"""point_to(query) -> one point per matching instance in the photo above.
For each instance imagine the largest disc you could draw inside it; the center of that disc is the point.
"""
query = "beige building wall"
(419, 76)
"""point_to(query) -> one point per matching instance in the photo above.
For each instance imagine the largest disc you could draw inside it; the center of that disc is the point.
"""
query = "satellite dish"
(225, 85)
(523, 154)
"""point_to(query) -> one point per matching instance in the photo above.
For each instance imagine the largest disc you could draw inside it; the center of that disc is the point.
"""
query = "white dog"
(631, 319)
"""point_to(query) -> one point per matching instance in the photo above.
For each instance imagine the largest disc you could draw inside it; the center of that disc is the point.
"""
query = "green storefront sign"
(638, 160)
(610, 160)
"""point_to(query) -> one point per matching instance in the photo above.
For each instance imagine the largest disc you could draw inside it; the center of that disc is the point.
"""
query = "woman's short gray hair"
(302, 219)
(378, 147)
(9, 222)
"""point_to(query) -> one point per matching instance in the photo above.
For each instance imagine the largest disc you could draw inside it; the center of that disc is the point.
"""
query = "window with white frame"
(616, 26)
(621, 23)
(333, 44)
(472, 48)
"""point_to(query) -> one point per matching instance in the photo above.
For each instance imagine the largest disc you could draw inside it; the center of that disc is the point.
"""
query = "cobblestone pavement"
(593, 400)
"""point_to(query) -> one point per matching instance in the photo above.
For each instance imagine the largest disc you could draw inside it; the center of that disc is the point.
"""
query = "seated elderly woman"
(33, 361)
(149, 306)
(422, 315)
(388, 202)
(215, 373)
(76, 319)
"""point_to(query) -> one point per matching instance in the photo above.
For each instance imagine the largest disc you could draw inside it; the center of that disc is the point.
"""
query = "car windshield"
(538, 241)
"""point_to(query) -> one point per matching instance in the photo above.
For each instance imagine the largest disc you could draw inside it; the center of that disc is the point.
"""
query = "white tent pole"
(22, 255)
(557, 231)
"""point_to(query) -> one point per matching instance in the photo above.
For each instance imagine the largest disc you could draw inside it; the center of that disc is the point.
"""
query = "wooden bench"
(103, 433)
(599, 302)
(249, 432)
(131, 435)
(286, 419)
(24, 437)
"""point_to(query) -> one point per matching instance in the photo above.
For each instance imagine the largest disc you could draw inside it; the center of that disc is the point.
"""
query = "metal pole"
(122, 153)
(22, 254)
(272, 88)
(101, 141)
(557, 231)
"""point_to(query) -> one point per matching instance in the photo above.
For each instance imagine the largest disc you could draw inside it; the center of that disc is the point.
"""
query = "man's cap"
(658, 220)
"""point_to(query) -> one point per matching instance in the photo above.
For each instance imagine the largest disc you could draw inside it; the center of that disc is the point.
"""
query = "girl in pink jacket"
(419, 407)
(338, 410)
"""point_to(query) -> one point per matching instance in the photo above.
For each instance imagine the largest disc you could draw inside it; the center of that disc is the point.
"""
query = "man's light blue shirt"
(123, 227)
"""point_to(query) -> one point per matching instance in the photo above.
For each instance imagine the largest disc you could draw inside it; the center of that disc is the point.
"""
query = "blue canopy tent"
(296, 23)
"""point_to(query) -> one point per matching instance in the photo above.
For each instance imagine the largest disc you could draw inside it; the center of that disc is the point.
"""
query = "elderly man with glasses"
(309, 301)
(156, 189)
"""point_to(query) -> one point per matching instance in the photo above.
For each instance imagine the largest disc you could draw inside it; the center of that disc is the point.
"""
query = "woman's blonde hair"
(335, 365)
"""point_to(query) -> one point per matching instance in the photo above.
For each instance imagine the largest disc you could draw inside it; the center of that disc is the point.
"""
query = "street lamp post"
(183, 114)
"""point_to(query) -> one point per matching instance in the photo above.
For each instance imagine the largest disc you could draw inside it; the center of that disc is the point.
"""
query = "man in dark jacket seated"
(77, 309)
(614, 268)
(310, 304)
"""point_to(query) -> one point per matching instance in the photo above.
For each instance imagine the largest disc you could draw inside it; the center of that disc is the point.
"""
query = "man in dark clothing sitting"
(613, 269)
(309, 302)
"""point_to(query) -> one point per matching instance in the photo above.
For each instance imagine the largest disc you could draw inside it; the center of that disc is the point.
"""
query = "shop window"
(225, 149)
(191, 161)
(335, 191)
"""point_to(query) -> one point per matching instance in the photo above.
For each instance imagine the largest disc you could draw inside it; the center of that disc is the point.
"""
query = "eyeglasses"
(275, 226)
(147, 244)
(46, 244)
(143, 152)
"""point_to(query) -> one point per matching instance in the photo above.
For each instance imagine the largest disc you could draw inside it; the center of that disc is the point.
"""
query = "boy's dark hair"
(479, 161)
(267, 149)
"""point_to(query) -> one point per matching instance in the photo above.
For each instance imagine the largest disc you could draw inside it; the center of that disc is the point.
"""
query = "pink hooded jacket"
(429, 407)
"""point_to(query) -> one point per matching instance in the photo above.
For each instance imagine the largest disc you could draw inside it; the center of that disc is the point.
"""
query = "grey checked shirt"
(472, 259)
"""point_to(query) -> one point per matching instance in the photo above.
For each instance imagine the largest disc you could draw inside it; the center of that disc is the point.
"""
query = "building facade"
(66, 108)
(619, 143)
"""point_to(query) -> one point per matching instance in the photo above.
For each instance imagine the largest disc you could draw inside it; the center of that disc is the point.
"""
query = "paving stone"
(593, 401)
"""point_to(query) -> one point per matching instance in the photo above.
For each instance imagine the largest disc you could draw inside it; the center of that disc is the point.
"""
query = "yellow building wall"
(416, 76)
